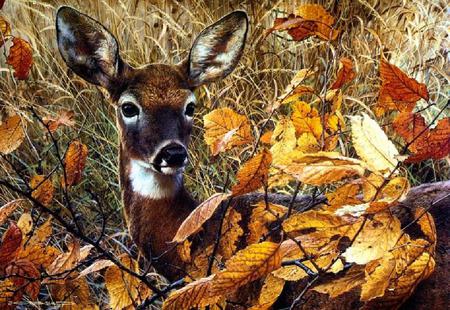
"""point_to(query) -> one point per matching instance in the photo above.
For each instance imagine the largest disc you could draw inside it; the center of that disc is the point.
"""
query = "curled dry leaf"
(7, 209)
(5, 30)
(224, 129)
(65, 261)
(11, 134)
(199, 216)
(253, 174)
(64, 118)
(20, 58)
(124, 290)
(74, 162)
(96, 266)
(42, 189)
(320, 168)
(10, 246)
(372, 144)
(345, 73)
(425, 143)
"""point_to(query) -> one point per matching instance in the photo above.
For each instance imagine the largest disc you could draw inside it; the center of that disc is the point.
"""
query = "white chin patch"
(171, 170)
(149, 183)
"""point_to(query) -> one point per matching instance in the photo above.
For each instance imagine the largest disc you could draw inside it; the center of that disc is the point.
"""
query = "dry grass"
(412, 34)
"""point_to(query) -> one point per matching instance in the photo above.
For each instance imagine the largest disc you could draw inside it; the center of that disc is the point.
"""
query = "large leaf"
(372, 144)
(20, 58)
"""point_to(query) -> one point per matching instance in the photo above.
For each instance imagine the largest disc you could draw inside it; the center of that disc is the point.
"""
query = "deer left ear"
(217, 49)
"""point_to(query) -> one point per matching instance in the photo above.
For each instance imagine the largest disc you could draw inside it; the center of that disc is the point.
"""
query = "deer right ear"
(88, 48)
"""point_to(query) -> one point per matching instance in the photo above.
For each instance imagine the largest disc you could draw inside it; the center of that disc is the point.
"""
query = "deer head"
(155, 103)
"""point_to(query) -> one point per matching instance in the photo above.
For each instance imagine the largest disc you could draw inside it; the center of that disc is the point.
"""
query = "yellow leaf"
(307, 143)
(262, 216)
(344, 195)
(426, 223)
(270, 292)
(377, 237)
(319, 168)
(372, 144)
(249, 264)
(41, 233)
(184, 251)
(232, 232)
(42, 189)
(218, 125)
(353, 278)
(124, 290)
(75, 294)
(25, 223)
(253, 174)
(323, 20)
(306, 119)
(11, 134)
(199, 216)
(74, 162)
(195, 294)
(283, 138)
(377, 276)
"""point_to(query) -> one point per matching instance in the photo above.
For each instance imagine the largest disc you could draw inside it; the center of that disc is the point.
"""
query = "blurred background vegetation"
(413, 35)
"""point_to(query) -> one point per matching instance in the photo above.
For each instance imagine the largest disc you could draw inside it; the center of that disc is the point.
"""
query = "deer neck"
(155, 206)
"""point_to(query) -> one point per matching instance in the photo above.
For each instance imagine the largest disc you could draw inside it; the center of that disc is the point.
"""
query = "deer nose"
(174, 155)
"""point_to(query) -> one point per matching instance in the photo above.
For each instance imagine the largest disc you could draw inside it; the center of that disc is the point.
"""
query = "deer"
(155, 105)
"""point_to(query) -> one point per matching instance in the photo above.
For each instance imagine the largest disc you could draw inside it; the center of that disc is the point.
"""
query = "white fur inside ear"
(150, 184)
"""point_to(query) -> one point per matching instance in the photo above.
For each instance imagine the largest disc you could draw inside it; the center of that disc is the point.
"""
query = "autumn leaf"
(11, 134)
(319, 168)
(353, 278)
(74, 162)
(41, 233)
(42, 189)
(377, 276)
(266, 138)
(41, 256)
(283, 138)
(399, 91)
(263, 214)
(25, 223)
(74, 292)
(64, 118)
(271, 290)
(426, 223)
(297, 27)
(345, 73)
(377, 236)
(344, 195)
(20, 58)
(247, 265)
(253, 174)
(225, 129)
(199, 216)
(232, 232)
(96, 266)
(195, 294)
(372, 144)
(10, 246)
(65, 261)
(124, 289)
(25, 276)
(425, 143)
(5, 30)
(7, 209)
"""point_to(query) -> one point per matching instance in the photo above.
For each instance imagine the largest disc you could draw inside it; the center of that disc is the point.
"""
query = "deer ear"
(88, 48)
(217, 49)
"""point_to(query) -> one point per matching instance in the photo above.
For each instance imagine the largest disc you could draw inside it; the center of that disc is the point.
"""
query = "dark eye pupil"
(129, 110)
(190, 108)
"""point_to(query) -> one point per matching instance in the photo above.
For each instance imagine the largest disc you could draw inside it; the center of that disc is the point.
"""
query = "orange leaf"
(10, 246)
(25, 277)
(253, 174)
(64, 118)
(20, 58)
(11, 134)
(42, 189)
(5, 30)
(345, 73)
(297, 27)
(74, 162)
(199, 216)
(425, 143)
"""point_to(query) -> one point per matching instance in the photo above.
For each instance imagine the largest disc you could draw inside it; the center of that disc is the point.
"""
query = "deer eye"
(190, 108)
(129, 109)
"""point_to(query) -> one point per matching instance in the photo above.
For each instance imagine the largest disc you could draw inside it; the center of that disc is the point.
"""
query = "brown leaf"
(42, 189)
(195, 294)
(41, 256)
(74, 293)
(74, 162)
(64, 118)
(344, 195)
(253, 174)
(65, 261)
(124, 289)
(10, 246)
(7, 209)
(5, 30)
(96, 266)
(249, 264)
(426, 223)
(425, 143)
(297, 27)
(20, 58)
(225, 129)
(199, 216)
(11, 134)
(25, 276)
(345, 73)
(7, 289)
(353, 278)
(41, 234)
